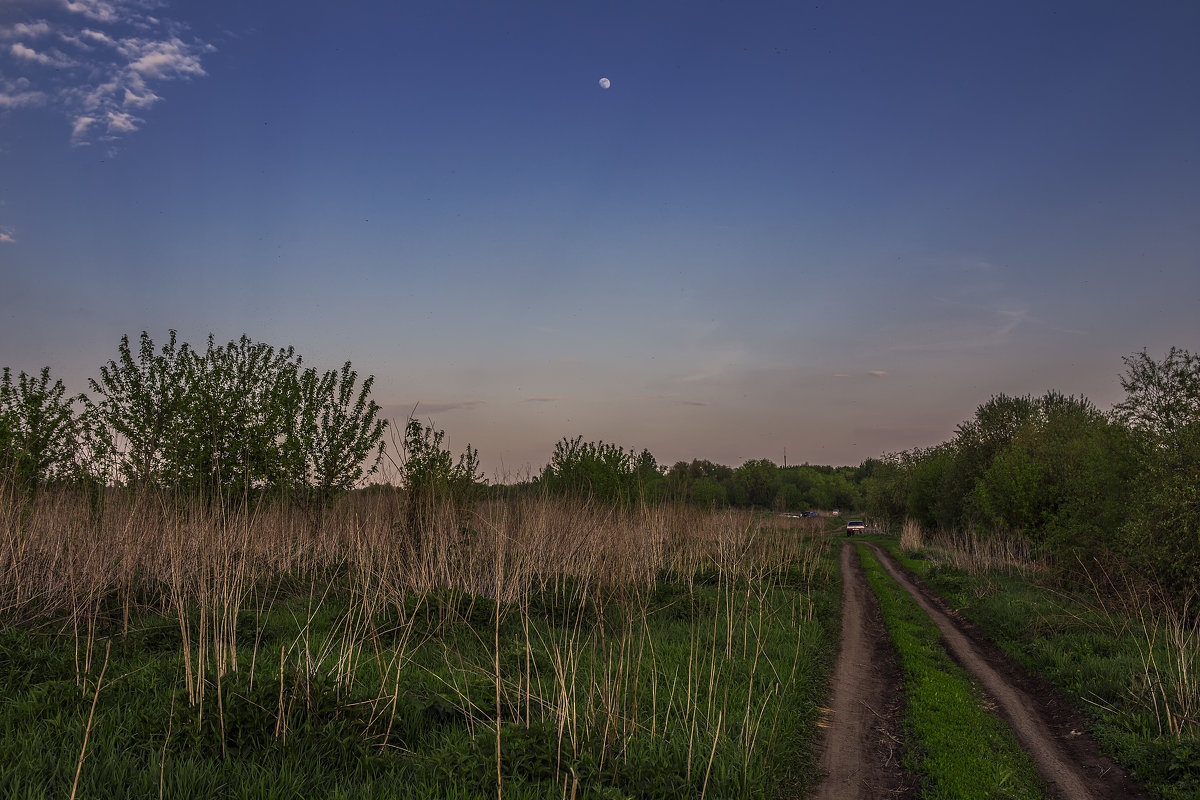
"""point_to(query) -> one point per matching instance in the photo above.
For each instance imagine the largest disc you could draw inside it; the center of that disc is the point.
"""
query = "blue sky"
(833, 228)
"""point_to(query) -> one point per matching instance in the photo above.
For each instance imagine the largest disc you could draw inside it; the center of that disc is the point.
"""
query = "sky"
(830, 230)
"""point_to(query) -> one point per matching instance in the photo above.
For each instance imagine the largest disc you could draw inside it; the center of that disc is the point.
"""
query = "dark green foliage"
(39, 433)
(235, 409)
(1162, 407)
(139, 409)
(333, 437)
(760, 483)
(237, 419)
(1081, 485)
(433, 480)
(602, 472)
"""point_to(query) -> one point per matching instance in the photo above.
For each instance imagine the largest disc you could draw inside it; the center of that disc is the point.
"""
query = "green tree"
(433, 480)
(135, 421)
(708, 493)
(333, 436)
(756, 483)
(235, 406)
(603, 472)
(38, 430)
(1162, 409)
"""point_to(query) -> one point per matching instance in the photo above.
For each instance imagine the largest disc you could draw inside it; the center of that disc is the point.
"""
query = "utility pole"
(785, 458)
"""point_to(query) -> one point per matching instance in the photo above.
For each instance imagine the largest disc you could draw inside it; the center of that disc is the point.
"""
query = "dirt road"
(1070, 762)
(860, 756)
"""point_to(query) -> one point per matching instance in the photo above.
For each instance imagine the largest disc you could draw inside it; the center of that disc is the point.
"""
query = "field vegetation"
(197, 602)
(1072, 537)
(1127, 655)
(543, 649)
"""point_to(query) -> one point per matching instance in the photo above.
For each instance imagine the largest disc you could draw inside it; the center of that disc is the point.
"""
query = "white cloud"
(80, 128)
(99, 37)
(144, 100)
(17, 94)
(877, 373)
(122, 122)
(6, 237)
(112, 59)
(166, 59)
(55, 58)
(97, 10)
(25, 30)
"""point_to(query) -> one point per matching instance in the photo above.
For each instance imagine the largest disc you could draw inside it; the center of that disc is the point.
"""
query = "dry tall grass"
(976, 553)
(911, 536)
(95, 567)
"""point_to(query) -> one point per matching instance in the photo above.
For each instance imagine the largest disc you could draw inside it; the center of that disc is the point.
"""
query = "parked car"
(836, 512)
(855, 526)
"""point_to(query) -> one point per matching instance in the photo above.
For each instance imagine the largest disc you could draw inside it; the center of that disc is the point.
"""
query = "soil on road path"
(864, 717)
(861, 756)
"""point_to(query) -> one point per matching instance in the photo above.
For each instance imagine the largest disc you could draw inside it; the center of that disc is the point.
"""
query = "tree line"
(1084, 486)
(245, 419)
(607, 473)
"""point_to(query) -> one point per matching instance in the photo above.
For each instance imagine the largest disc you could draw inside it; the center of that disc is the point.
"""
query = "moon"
(605, 83)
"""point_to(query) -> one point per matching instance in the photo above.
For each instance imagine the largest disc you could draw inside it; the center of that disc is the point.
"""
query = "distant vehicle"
(836, 513)
(855, 526)
(812, 513)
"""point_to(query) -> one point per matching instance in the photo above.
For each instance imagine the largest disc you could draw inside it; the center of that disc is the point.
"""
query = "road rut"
(1069, 761)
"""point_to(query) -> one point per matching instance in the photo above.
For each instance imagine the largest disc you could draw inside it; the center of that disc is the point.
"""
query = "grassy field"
(151, 648)
(1127, 656)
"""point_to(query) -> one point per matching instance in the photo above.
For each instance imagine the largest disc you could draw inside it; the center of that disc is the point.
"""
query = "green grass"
(1089, 650)
(957, 747)
(426, 728)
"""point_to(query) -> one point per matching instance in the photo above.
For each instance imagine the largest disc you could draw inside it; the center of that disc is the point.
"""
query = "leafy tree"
(709, 493)
(333, 437)
(235, 418)
(1162, 408)
(756, 483)
(134, 423)
(236, 405)
(1162, 397)
(603, 472)
(431, 477)
(38, 430)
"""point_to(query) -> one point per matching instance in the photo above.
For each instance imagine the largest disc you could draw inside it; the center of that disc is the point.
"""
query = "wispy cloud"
(540, 400)
(877, 373)
(701, 403)
(18, 94)
(6, 236)
(54, 58)
(434, 408)
(96, 61)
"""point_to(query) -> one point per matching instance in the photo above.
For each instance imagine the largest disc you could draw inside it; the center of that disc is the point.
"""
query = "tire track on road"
(860, 758)
(1057, 764)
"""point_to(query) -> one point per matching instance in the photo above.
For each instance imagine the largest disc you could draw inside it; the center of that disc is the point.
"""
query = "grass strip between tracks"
(957, 747)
